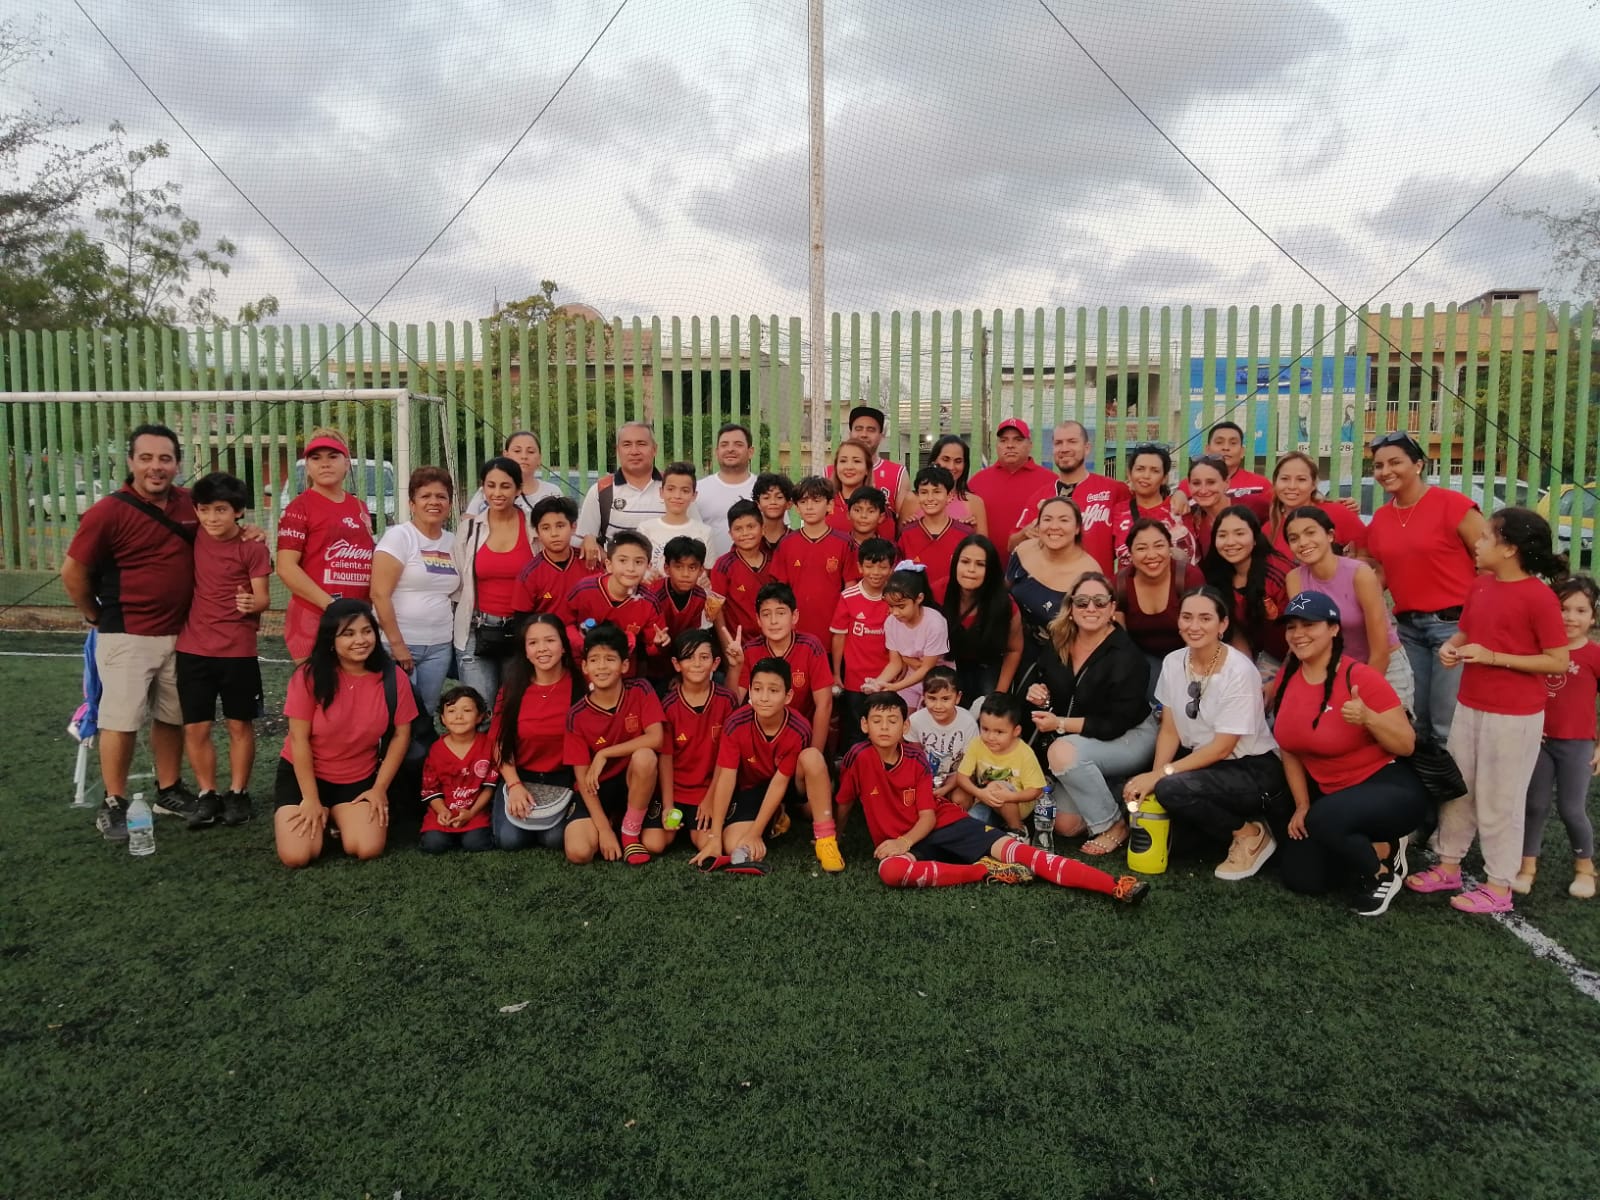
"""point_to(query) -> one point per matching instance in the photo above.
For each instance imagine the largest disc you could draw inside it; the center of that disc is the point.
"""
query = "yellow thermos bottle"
(1147, 844)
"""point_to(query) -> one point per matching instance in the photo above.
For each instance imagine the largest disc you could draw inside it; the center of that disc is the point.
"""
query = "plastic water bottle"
(1044, 821)
(141, 827)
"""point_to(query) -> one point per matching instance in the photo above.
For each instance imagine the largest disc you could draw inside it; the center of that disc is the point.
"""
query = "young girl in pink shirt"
(915, 634)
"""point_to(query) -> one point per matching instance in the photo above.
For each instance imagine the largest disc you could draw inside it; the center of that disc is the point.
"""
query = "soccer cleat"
(1004, 872)
(208, 807)
(1130, 889)
(236, 808)
(827, 850)
(176, 801)
(1376, 901)
(112, 819)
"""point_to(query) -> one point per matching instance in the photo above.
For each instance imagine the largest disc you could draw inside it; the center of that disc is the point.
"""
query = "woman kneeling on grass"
(1339, 727)
(337, 716)
(1211, 701)
(538, 689)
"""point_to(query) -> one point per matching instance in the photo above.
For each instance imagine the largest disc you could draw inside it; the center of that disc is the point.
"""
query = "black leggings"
(1223, 796)
(1342, 826)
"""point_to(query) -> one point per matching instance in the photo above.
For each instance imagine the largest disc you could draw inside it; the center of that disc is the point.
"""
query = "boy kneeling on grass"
(765, 746)
(613, 735)
(926, 841)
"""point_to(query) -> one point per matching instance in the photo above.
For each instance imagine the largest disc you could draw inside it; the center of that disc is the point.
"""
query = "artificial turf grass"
(793, 1034)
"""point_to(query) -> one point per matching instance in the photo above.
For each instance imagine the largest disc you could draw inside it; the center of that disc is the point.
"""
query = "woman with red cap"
(324, 543)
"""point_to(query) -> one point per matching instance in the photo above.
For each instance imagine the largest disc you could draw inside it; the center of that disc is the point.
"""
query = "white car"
(363, 481)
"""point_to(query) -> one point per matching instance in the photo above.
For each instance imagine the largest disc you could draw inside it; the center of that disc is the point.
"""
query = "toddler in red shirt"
(458, 777)
(1567, 759)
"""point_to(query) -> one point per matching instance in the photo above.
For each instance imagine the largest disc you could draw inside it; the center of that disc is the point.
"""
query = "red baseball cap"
(1016, 423)
(326, 441)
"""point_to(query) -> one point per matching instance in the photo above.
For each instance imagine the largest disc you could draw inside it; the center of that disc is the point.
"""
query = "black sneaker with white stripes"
(112, 819)
(1375, 903)
(177, 801)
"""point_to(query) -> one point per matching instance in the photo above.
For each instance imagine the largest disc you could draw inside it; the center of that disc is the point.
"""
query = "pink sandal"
(1435, 879)
(1481, 900)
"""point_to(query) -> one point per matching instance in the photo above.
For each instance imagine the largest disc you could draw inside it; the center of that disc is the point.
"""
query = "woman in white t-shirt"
(414, 580)
(1216, 764)
(522, 448)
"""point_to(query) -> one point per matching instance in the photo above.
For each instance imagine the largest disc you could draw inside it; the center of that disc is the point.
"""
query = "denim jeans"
(430, 668)
(437, 841)
(513, 837)
(1421, 635)
(481, 674)
(1084, 787)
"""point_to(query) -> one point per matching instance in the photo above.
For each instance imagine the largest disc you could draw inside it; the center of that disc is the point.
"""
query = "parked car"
(373, 482)
(1574, 512)
(1489, 493)
(51, 505)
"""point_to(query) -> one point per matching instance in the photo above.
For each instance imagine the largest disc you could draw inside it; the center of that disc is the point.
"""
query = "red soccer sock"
(1063, 872)
(632, 823)
(823, 829)
(901, 871)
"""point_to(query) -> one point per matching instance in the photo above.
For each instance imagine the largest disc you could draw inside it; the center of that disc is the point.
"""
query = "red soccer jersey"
(1569, 712)
(1520, 617)
(757, 755)
(690, 738)
(1336, 754)
(635, 615)
(934, 551)
(345, 735)
(544, 583)
(216, 628)
(737, 582)
(677, 614)
(140, 568)
(591, 727)
(335, 545)
(816, 568)
(860, 618)
(808, 668)
(1099, 500)
(894, 794)
(541, 718)
(839, 521)
(457, 780)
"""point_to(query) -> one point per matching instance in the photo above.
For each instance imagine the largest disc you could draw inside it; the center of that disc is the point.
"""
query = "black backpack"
(423, 733)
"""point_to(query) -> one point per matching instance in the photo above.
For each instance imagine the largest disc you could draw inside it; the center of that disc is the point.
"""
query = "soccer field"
(205, 1023)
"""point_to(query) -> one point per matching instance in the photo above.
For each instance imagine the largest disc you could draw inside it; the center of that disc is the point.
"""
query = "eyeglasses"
(1192, 709)
(1086, 601)
(1395, 437)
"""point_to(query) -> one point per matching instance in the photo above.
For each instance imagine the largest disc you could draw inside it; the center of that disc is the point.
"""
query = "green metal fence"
(1503, 400)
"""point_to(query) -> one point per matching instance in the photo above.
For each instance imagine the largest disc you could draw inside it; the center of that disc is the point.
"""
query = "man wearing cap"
(324, 543)
(130, 572)
(1098, 497)
(888, 476)
(1011, 485)
(626, 498)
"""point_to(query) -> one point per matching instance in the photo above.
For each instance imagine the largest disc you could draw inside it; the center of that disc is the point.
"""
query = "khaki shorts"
(138, 678)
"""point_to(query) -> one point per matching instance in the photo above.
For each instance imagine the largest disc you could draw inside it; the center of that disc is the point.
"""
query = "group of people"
(720, 656)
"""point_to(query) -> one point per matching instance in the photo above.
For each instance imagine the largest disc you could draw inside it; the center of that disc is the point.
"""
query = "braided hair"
(1291, 664)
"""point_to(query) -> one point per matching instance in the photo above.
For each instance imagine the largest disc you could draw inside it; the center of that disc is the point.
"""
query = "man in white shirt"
(626, 498)
(734, 481)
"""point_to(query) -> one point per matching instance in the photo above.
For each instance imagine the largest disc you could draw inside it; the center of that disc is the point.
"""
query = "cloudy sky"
(976, 157)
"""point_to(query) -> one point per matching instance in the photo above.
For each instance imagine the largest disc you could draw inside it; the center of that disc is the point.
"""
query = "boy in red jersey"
(737, 577)
(930, 541)
(615, 597)
(679, 599)
(865, 514)
(764, 747)
(695, 710)
(814, 560)
(778, 637)
(613, 735)
(858, 649)
(773, 495)
(545, 582)
(926, 841)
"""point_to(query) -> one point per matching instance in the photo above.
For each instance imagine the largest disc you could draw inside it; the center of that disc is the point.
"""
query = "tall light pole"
(818, 316)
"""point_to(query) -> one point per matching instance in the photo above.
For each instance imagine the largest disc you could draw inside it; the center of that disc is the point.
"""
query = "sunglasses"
(1149, 448)
(1086, 601)
(1395, 437)
(1192, 709)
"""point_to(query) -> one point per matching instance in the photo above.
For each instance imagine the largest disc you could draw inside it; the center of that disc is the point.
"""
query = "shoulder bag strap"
(156, 515)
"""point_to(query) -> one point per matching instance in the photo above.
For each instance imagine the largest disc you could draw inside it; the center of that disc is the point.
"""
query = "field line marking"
(1546, 947)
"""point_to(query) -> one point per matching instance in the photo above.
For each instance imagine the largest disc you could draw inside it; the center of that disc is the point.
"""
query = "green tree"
(1538, 462)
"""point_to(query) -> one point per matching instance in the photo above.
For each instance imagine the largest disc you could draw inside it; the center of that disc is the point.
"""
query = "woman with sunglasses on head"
(1216, 765)
(1092, 709)
(1208, 497)
(966, 506)
(1340, 728)
(1425, 540)
(1294, 485)
(1150, 499)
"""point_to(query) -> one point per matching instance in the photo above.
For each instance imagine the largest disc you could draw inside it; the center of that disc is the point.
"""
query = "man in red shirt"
(130, 572)
(1098, 497)
(1226, 441)
(1012, 484)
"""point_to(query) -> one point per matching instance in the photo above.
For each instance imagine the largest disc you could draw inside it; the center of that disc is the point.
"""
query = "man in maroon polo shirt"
(1098, 497)
(1013, 482)
(130, 572)
(1226, 441)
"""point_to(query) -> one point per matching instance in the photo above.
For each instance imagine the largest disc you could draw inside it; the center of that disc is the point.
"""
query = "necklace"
(1211, 667)
(1409, 510)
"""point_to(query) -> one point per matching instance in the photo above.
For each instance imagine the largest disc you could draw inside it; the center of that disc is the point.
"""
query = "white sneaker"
(1247, 855)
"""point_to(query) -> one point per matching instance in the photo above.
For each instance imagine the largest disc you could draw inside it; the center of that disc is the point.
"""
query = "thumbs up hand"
(1355, 710)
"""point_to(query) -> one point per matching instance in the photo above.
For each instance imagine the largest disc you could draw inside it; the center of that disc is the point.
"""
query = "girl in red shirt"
(1511, 634)
(1567, 757)
(324, 543)
(1242, 564)
(1149, 498)
(338, 715)
(1294, 485)
(458, 777)
(538, 688)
